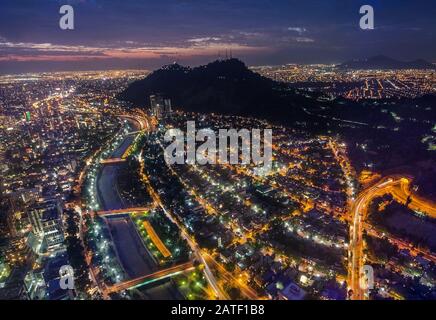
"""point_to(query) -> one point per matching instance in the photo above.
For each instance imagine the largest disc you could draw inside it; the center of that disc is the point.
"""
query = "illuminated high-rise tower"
(157, 105)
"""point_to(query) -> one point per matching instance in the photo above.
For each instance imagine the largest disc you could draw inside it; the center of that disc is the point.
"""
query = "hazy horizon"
(129, 34)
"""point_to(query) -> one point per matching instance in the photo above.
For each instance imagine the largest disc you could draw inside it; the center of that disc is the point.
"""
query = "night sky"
(116, 34)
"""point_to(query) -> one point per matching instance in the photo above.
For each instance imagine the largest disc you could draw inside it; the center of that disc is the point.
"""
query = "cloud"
(205, 39)
(304, 39)
(28, 51)
(251, 34)
(299, 30)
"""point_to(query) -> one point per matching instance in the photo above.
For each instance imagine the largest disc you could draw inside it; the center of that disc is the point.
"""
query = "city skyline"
(268, 163)
(146, 35)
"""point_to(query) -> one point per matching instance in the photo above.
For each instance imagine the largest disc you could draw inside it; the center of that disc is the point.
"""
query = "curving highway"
(399, 187)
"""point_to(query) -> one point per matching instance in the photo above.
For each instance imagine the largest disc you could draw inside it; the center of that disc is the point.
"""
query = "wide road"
(402, 194)
(399, 187)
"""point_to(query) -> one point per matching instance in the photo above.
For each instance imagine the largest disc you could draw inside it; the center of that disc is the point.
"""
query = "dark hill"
(225, 87)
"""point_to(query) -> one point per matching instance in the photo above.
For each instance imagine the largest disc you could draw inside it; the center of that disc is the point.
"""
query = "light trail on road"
(398, 187)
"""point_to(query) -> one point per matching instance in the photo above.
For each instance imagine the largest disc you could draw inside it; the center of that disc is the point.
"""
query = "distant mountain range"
(383, 62)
